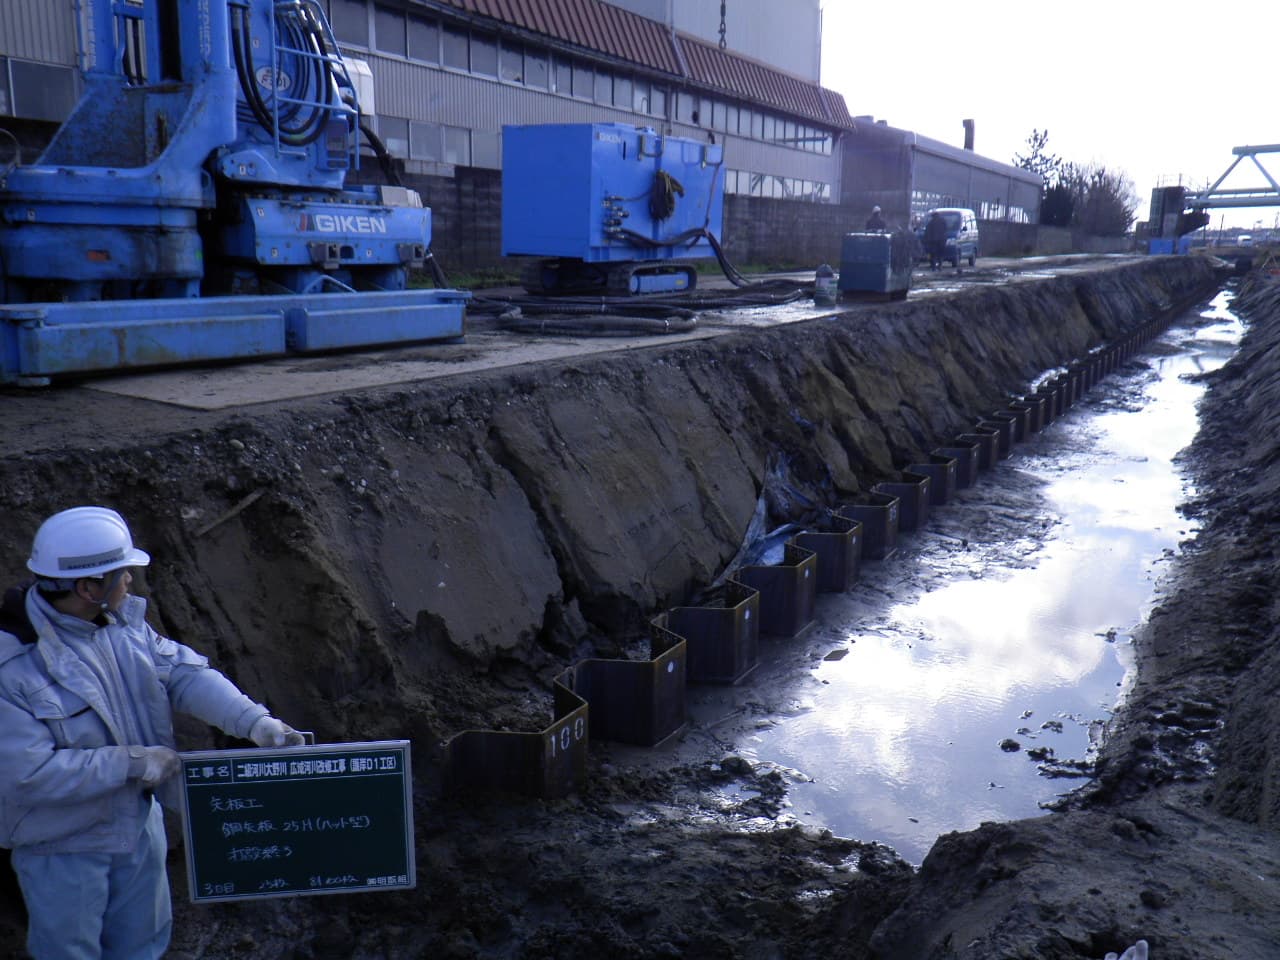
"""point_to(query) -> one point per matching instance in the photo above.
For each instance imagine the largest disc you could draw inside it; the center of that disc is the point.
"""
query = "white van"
(962, 234)
(1244, 240)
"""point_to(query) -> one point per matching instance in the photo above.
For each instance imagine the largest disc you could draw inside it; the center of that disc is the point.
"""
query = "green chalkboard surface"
(330, 818)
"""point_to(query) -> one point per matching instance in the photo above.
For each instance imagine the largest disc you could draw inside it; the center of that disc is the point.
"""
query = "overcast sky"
(1140, 86)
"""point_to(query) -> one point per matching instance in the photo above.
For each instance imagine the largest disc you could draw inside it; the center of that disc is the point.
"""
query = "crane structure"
(1217, 196)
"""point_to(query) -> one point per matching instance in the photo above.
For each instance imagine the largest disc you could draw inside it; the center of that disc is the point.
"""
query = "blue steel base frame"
(41, 341)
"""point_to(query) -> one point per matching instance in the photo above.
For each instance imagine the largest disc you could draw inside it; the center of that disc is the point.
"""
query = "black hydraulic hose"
(243, 61)
(688, 238)
(772, 294)
(437, 272)
(597, 325)
(385, 160)
(585, 306)
(298, 135)
(601, 316)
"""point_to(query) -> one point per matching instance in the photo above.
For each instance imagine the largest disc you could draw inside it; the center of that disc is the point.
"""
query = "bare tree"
(1104, 201)
(1038, 159)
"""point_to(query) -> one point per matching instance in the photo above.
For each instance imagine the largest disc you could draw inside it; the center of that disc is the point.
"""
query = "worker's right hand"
(1137, 952)
(151, 766)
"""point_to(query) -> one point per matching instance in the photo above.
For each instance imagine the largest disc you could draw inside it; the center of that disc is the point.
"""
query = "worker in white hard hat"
(87, 695)
(876, 222)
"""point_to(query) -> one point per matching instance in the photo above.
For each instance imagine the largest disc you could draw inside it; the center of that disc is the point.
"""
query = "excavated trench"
(423, 560)
(970, 677)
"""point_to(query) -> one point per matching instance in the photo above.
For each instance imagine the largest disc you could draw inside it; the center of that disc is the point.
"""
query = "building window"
(42, 91)
(583, 80)
(536, 70)
(389, 31)
(6, 105)
(454, 49)
(486, 149)
(640, 97)
(684, 107)
(511, 62)
(484, 55)
(562, 79)
(457, 146)
(603, 88)
(425, 142)
(350, 21)
(719, 115)
(658, 101)
(623, 91)
(424, 40)
(394, 132)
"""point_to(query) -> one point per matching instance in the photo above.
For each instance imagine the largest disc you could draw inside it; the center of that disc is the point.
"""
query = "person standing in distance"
(876, 222)
(87, 695)
(935, 239)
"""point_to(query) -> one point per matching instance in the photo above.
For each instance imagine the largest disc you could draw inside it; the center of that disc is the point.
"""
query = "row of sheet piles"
(642, 702)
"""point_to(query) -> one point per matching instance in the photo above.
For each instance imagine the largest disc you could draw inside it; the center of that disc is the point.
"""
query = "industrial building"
(446, 75)
(907, 174)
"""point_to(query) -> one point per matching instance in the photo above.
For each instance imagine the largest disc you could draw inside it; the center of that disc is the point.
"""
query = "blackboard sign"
(332, 818)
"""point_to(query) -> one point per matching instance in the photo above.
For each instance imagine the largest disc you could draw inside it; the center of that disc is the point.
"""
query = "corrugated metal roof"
(597, 26)
(732, 73)
(629, 37)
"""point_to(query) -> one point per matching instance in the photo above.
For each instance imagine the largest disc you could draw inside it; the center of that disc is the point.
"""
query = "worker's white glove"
(1137, 952)
(270, 732)
(151, 766)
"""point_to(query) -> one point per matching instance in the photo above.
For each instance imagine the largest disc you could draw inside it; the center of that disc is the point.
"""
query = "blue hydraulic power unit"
(608, 207)
(194, 205)
(876, 263)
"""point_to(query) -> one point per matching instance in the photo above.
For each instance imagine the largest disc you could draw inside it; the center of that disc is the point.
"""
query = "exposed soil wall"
(416, 561)
(477, 519)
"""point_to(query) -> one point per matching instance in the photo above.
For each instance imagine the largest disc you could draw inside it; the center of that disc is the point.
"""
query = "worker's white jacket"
(65, 733)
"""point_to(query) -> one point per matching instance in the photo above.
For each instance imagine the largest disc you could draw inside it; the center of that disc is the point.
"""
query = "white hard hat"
(83, 542)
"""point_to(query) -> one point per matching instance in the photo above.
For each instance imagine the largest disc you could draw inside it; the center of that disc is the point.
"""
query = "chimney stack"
(968, 134)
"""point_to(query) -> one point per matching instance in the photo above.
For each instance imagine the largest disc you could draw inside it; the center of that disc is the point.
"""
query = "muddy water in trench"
(1007, 619)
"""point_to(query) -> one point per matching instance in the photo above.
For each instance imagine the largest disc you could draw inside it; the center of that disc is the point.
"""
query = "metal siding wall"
(440, 96)
(942, 181)
(40, 30)
(419, 92)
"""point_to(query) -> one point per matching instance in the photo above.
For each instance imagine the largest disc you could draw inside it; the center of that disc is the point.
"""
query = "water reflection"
(903, 741)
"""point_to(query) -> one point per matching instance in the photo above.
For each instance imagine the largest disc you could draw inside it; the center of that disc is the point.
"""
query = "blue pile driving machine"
(609, 208)
(194, 206)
